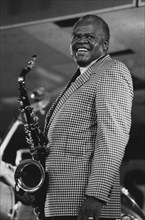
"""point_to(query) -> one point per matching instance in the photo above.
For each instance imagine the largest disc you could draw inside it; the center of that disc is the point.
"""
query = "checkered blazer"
(88, 129)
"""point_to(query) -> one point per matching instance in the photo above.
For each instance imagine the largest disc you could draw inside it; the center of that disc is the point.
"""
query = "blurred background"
(43, 27)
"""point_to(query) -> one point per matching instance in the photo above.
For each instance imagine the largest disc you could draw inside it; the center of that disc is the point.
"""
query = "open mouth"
(81, 51)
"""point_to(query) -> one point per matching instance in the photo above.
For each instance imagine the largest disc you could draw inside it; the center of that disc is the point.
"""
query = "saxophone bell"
(29, 175)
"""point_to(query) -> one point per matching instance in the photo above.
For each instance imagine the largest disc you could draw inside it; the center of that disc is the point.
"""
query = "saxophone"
(30, 173)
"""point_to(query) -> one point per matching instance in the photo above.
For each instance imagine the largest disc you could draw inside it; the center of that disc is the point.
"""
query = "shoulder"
(108, 63)
(118, 65)
(117, 74)
(116, 68)
(119, 69)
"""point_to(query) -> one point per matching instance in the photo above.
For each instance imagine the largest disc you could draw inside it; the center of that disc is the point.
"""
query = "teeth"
(82, 49)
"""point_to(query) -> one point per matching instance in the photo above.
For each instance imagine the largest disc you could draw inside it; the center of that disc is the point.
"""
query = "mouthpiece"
(34, 56)
(32, 62)
(30, 65)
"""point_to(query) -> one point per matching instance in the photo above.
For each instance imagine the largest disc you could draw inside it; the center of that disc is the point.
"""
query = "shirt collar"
(83, 69)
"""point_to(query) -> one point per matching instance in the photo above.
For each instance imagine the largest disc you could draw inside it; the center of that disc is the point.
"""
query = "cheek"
(98, 48)
(72, 47)
(71, 52)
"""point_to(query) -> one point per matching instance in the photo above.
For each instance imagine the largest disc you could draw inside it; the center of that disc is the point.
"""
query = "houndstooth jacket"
(88, 129)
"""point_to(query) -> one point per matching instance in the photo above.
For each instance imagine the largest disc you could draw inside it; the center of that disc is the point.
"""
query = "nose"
(83, 39)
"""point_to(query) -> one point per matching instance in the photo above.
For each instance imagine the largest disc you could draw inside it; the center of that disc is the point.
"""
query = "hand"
(26, 198)
(91, 207)
(7, 173)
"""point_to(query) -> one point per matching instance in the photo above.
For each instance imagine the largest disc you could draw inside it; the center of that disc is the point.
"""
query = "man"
(88, 129)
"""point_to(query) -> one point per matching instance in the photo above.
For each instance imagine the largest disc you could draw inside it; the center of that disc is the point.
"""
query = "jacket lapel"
(64, 95)
(69, 89)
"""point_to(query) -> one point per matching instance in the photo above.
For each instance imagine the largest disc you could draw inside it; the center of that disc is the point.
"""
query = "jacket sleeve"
(114, 94)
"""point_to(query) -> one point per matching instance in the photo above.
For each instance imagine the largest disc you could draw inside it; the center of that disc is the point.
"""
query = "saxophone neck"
(23, 97)
(29, 66)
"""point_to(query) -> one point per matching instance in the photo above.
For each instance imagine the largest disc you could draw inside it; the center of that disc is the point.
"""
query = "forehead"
(85, 28)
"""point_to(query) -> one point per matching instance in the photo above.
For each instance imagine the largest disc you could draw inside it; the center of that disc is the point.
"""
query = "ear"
(106, 45)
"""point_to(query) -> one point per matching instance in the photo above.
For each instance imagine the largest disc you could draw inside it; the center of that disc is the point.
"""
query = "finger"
(86, 215)
(80, 217)
(90, 217)
(96, 216)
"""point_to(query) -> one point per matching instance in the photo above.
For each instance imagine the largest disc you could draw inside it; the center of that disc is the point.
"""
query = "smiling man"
(89, 41)
(88, 129)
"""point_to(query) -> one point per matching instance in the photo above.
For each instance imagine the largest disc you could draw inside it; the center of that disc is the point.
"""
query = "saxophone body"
(30, 173)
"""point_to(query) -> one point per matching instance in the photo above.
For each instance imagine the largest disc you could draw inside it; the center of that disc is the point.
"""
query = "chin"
(82, 63)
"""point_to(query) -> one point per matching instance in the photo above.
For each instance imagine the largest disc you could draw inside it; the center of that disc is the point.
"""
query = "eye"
(90, 36)
(85, 36)
(76, 36)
